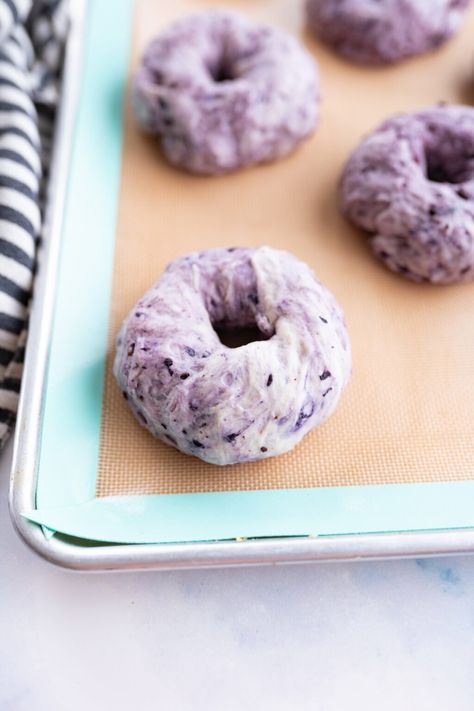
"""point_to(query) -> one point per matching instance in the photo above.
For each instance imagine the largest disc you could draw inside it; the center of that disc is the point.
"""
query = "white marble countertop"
(384, 636)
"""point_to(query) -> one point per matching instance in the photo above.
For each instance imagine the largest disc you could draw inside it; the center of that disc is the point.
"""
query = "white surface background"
(385, 636)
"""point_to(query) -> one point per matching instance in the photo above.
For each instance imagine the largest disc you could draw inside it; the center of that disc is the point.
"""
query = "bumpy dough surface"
(228, 405)
(411, 185)
(384, 31)
(223, 92)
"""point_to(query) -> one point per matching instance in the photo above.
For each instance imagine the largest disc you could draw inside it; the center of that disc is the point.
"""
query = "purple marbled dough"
(411, 185)
(384, 31)
(228, 405)
(223, 92)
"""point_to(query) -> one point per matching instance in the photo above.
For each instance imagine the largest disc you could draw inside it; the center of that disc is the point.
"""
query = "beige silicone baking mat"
(408, 413)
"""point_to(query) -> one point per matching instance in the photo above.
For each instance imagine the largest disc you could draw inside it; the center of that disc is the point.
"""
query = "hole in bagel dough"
(237, 337)
(222, 70)
(231, 298)
(449, 164)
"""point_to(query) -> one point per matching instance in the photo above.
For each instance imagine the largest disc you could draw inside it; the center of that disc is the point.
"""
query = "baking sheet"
(407, 414)
(65, 444)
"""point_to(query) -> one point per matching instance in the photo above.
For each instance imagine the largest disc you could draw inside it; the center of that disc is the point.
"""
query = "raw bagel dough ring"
(384, 31)
(227, 405)
(223, 92)
(411, 185)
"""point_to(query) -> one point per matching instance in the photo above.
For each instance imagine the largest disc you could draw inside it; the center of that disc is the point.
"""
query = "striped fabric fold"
(31, 45)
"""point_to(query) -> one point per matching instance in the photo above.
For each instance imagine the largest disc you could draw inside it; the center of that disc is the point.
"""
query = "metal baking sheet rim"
(167, 556)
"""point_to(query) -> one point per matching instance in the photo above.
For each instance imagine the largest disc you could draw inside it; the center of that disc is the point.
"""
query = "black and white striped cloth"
(32, 36)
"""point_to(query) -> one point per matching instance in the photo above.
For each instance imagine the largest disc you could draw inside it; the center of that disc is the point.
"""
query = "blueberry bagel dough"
(228, 405)
(411, 185)
(223, 92)
(384, 31)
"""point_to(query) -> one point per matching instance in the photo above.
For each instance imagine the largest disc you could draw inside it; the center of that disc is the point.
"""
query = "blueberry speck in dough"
(276, 392)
